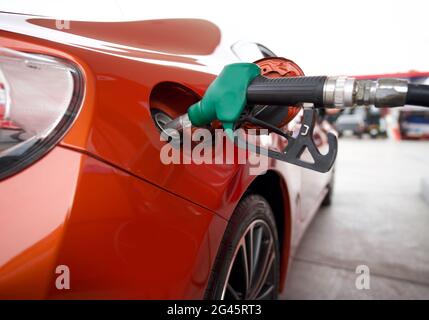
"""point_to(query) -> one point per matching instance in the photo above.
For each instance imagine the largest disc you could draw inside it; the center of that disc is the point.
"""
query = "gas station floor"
(378, 218)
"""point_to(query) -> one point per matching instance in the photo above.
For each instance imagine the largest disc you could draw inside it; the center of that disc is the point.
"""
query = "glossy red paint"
(118, 235)
(126, 224)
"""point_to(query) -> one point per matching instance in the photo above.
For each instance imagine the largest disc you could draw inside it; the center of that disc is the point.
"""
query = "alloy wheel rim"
(251, 274)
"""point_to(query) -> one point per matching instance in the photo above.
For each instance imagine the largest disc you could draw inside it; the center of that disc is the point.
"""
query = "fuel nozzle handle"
(336, 92)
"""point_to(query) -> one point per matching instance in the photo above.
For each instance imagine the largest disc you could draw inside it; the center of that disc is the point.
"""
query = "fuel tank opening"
(168, 100)
(161, 119)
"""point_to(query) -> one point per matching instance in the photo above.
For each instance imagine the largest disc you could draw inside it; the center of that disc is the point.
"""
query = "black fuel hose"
(418, 95)
(336, 91)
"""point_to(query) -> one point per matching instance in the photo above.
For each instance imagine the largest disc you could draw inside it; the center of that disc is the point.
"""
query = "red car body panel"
(127, 225)
(90, 216)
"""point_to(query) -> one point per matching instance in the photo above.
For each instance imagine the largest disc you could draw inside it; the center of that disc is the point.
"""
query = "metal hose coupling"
(343, 92)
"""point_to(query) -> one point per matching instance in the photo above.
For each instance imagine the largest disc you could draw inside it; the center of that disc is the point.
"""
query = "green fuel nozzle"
(225, 98)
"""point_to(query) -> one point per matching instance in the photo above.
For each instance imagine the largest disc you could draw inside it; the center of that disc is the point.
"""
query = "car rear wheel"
(247, 265)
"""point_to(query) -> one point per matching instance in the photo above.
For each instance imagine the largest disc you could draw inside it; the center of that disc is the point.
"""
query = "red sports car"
(87, 208)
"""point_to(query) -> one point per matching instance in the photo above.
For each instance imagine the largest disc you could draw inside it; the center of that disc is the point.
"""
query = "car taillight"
(39, 99)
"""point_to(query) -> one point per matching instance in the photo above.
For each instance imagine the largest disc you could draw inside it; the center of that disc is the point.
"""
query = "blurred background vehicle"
(375, 124)
(351, 121)
(413, 123)
(360, 121)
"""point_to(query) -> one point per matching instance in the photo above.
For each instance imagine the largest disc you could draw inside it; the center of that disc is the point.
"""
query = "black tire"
(255, 214)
